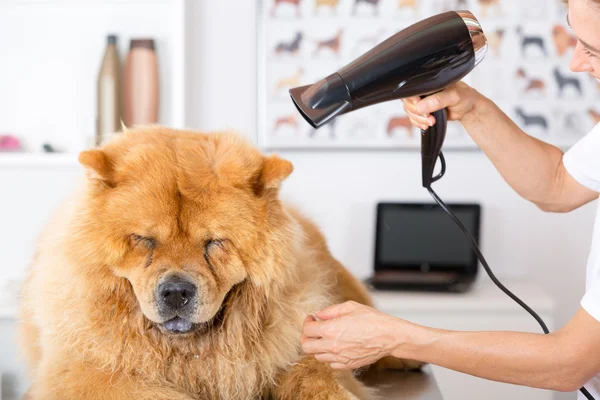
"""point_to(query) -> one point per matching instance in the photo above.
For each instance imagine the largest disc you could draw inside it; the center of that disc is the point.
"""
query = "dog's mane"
(260, 322)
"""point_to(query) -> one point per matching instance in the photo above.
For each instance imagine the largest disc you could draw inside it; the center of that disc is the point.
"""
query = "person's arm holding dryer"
(350, 335)
(533, 168)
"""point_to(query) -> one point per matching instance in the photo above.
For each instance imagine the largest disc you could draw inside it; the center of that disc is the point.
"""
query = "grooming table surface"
(398, 385)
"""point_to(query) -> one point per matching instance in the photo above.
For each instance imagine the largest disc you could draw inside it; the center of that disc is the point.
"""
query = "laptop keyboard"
(413, 277)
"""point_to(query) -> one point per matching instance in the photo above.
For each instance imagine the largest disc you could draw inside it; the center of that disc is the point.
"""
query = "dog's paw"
(346, 395)
(339, 393)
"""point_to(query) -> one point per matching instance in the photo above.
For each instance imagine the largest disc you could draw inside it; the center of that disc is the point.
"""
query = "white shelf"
(49, 92)
(8, 311)
(34, 160)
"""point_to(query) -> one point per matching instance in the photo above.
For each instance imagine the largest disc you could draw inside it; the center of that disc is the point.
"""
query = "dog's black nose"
(175, 293)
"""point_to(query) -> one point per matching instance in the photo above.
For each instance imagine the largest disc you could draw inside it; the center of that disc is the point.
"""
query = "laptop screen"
(418, 236)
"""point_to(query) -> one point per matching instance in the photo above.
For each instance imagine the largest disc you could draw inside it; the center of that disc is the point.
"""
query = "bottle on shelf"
(140, 90)
(108, 118)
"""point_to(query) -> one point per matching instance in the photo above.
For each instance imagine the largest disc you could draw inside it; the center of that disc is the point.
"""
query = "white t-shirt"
(582, 161)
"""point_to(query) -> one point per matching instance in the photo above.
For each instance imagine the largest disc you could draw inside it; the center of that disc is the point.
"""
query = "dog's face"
(184, 213)
(181, 258)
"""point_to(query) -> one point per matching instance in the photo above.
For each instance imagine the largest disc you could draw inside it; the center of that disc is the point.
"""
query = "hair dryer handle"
(432, 140)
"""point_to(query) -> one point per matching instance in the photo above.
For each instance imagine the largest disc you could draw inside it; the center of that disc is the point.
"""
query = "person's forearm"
(527, 164)
(527, 359)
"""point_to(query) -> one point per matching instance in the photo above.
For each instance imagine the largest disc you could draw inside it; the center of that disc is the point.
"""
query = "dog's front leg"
(77, 381)
(314, 380)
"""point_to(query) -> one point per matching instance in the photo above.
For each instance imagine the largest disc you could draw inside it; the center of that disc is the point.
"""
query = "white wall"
(338, 189)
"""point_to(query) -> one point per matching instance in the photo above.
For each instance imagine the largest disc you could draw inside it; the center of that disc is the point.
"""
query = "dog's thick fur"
(205, 205)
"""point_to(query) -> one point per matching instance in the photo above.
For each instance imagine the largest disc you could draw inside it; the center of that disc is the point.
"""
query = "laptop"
(419, 247)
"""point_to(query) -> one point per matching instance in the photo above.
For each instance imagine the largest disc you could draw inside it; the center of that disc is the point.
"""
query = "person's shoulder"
(595, 130)
(592, 137)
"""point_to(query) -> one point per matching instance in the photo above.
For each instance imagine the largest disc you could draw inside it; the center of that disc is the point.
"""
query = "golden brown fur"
(90, 327)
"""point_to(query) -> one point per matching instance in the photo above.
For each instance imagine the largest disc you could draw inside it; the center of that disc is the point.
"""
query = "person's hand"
(350, 335)
(459, 100)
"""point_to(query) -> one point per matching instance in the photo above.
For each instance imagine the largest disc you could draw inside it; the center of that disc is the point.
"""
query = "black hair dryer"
(420, 60)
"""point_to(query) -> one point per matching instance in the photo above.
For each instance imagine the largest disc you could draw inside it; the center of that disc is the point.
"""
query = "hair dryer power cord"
(481, 258)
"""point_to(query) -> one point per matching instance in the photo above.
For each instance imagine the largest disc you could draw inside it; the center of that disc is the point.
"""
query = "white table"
(485, 307)
(400, 385)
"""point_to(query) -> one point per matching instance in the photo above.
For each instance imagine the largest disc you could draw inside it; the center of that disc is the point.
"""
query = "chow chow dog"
(176, 273)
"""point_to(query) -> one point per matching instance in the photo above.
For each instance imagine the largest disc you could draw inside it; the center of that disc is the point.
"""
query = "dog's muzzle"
(177, 299)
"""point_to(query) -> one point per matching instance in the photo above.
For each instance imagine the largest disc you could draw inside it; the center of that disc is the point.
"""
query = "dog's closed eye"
(211, 246)
(147, 242)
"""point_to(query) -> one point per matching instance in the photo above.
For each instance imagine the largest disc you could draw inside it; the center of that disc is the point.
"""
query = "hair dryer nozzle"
(320, 102)
(480, 43)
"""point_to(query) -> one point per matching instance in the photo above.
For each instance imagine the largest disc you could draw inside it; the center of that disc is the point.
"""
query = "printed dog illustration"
(495, 39)
(332, 44)
(408, 4)
(373, 3)
(563, 40)
(399, 122)
(289, 82)
(291, 47)
(333, 4)
(295, 3)
(534, 84)
(285, 120)
(490, 5)
(531, 40)
(532, 119)
(563, 81)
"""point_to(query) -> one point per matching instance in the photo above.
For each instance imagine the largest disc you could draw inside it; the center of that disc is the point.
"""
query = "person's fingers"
(330, 358)
(412, 99)
(316, 346)
(411, 108)
(430, 104)
(421, 120)
(336, 365)
(336, 310)
(418, 124)
(303, 338)
(312, 328)
(445, 98)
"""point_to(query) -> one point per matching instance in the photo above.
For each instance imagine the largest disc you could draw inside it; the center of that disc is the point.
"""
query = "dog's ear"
(274, 171)
(97, 166)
